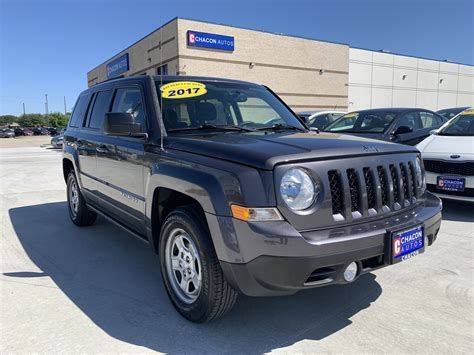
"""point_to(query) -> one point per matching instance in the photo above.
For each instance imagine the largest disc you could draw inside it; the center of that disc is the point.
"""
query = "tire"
(211, 297)
(78, 212)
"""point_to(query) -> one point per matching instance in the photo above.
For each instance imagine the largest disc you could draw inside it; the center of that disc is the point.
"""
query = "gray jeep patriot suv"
(236, 194)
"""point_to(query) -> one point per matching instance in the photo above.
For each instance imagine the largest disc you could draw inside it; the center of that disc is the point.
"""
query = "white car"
(448, 156)
(320, 119)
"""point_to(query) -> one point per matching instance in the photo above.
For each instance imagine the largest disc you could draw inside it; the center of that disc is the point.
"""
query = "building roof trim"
(273, 33)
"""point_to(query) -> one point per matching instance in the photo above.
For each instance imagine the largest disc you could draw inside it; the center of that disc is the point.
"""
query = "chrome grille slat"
(337, 194)
(370, 185)
(384, 186)
(412, 178)
(404, 176)
(354, 190)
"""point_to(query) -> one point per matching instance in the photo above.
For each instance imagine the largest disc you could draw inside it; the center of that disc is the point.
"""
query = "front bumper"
(271, 258)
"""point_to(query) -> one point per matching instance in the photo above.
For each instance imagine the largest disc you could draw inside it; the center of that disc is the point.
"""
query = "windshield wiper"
(279, 126)
(207, 126)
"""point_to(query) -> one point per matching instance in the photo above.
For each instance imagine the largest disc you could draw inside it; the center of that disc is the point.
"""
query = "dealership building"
(308, 74)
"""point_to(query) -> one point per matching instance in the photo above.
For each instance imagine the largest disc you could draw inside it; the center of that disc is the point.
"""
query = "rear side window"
(429, 120)
(101, 106)
(80, 110)
(130, 100)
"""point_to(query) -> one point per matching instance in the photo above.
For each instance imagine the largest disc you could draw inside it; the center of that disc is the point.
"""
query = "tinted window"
(462, 125)
(451, 112)
(409, 119)
(429, 120)
(130, 100)
(101, 106)
(363, 122)
(79, 112)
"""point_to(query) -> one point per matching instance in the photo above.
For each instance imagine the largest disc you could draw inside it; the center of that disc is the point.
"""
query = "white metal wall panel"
(379, 79)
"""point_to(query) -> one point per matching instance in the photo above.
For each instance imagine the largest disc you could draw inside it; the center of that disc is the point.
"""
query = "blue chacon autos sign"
(118, 66)
(210, 40)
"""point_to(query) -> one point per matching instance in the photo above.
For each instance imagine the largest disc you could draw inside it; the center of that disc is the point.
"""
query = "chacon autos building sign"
(118, 66)
(210, 40)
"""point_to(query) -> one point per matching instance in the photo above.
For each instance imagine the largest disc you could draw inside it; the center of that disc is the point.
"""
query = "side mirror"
(402, 130)
(121, 124)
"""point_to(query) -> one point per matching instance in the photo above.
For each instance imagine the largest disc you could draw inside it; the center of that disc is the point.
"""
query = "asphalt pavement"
(96, 289)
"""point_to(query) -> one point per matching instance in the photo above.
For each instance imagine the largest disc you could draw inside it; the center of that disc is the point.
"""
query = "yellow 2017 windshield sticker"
(353, 114)
(468, 112)
(182, 89)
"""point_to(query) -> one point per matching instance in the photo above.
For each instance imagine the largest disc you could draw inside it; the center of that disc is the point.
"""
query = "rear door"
(88, 139)
(120, 163)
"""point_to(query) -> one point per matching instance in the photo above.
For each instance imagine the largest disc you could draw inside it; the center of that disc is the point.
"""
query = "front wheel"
(190, 269)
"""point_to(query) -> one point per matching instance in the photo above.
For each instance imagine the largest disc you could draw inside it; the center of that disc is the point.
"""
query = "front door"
(412, 120)
(120, 165)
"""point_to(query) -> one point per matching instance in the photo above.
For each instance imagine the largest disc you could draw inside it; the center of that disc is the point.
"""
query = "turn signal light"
(260, 214)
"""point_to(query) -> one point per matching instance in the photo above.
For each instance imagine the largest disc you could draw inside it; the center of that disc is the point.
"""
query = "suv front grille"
(373, 190)
(444, 167)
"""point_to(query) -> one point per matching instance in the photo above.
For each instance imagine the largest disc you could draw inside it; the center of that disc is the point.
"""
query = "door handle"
(102, 149)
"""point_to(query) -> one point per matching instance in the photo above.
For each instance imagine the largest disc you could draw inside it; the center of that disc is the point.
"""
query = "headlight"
(420, 176)
(298, 189)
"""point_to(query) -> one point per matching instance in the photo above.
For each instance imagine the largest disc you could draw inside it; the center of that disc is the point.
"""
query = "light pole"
(46, 108)
(65, 111)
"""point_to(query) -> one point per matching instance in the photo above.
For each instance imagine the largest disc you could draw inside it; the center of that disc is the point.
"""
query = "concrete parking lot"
(95, 289)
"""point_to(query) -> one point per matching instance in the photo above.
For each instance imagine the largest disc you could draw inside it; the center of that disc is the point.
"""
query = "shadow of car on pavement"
(458, 211)
(115, 280)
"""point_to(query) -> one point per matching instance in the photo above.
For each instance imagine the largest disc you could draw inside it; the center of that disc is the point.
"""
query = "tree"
(58, 119)
(7, 119)
(31, 119)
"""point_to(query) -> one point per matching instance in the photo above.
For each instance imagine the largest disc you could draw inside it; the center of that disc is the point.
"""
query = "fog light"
(351, 272)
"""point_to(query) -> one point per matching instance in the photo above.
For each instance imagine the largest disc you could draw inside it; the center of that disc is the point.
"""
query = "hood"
(442, 147)
(264, 151)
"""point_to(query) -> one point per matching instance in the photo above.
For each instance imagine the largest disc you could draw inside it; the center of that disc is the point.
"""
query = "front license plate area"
(406, 244)
(450, 183)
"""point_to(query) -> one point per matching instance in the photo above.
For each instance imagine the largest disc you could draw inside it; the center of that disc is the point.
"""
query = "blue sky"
(47, 46)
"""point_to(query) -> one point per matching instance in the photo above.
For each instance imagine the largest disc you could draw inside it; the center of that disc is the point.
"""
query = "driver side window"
(409, 119)
(129, 100)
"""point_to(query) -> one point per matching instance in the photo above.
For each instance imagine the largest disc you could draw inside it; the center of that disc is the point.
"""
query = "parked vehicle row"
(7, 133)
(36, 131)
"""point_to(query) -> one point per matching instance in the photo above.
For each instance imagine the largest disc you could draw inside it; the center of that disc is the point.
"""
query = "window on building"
(162, 70)
(101, 106)
(130, 100)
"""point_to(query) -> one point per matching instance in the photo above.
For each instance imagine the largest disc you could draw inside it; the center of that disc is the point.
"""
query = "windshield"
(187, 105)
(363, 122)
(462, 125)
